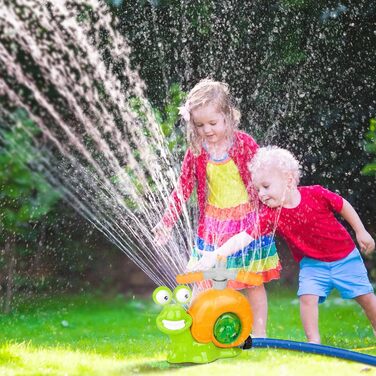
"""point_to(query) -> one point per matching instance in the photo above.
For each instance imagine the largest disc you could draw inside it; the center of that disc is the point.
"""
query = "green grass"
(88, 335)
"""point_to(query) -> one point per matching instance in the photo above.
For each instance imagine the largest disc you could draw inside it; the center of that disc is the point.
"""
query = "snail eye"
(183, 294)
(162, 295)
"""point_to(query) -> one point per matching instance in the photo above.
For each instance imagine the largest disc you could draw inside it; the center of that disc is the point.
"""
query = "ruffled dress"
(229, 211)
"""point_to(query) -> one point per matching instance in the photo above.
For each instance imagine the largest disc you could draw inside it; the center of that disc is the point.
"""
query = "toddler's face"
(210, 124)
(271, 186)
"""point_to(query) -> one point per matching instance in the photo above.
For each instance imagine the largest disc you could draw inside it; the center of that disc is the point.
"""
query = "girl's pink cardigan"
(193, 172)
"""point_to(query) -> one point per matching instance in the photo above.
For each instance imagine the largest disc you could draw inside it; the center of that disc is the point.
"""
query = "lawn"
(94, 335)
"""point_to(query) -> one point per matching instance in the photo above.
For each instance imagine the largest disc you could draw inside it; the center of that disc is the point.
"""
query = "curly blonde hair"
(275, 157)
(208, 91)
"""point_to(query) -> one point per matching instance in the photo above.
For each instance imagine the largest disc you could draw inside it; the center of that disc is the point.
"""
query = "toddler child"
(216, 164)
(304, 217)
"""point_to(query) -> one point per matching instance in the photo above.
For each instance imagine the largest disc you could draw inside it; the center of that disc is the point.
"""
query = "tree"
(370, 147)
(370, 169)
(302, 70)
(25, 198)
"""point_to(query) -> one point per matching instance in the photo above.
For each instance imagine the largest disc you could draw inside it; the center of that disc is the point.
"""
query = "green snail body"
(174, 321)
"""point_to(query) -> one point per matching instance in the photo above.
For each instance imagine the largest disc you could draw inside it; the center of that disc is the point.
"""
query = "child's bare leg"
(309, 313)
(259, 303)
(368, 303)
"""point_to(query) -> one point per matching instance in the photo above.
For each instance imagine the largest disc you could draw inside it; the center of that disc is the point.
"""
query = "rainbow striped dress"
(229, 211)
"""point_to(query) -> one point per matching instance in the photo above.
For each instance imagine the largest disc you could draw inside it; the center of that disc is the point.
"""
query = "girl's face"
(272, 186)
(210, 124)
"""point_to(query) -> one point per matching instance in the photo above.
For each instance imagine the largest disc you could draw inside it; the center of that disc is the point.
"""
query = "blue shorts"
(348, 276)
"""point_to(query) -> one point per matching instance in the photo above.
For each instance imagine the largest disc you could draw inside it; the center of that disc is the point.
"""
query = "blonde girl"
(216, 164)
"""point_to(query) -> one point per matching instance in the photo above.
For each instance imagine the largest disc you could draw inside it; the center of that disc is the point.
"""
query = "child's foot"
(313, 338)
(316, 342)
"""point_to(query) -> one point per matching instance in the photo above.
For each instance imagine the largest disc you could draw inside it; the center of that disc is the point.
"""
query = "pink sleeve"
(182, 191)
(251, 143)
(333, 200)
(251, 148)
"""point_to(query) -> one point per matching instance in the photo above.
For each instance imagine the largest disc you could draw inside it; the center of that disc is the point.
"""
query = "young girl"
(327, 256)
(216, 162)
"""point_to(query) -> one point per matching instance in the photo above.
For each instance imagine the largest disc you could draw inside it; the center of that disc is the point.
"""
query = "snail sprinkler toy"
(176, 322)
(219, 320)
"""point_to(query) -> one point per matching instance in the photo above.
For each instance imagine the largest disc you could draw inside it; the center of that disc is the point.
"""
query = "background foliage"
(303, 74)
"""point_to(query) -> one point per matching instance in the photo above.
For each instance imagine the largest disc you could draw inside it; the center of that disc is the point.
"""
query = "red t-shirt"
(310, 229)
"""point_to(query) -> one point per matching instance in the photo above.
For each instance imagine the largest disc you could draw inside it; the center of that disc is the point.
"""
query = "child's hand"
(365, 241)
(162, 234)
(206, 262)
(191, 264)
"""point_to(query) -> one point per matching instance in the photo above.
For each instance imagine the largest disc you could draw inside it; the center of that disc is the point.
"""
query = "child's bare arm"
(208, 259)
(365, 240)
(238, 241)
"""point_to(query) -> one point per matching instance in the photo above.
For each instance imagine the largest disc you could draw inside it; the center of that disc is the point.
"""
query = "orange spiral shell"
(212, 303)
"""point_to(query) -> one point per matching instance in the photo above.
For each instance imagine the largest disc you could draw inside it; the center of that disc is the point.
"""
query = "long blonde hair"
(208, 91)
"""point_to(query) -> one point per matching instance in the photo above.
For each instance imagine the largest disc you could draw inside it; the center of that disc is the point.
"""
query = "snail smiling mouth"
(173, 325)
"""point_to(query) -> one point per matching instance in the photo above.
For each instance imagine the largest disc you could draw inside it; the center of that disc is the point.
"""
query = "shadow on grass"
(7, 357)
(160, 367)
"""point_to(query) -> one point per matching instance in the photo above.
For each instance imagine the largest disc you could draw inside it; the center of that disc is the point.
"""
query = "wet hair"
(277, 158)
(207, 92)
